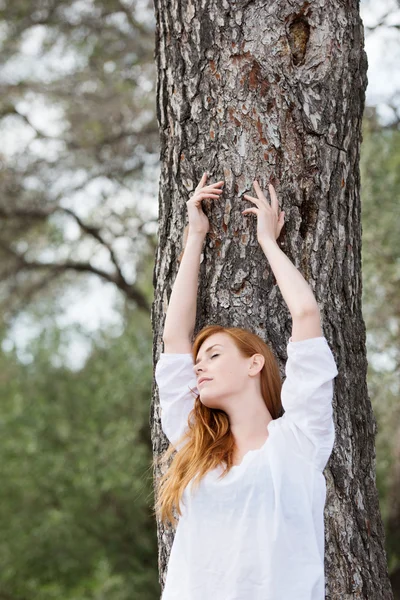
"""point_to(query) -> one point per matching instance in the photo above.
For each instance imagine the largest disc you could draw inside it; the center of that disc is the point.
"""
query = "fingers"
(274, 198)
(202, 181)
(208, 192)
(213, 187)
(213, 191)
(261, 196)
(258, 190)
(204, 195)
(255, 200)
(210, 185)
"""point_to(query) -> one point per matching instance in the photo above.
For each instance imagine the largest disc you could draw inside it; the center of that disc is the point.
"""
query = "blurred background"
(79, 170)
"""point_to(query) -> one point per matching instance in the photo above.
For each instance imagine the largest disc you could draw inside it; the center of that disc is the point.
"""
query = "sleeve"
(174, 375)
(306, 396)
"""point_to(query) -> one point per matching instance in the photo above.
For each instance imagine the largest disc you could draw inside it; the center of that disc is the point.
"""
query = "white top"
(258, 533)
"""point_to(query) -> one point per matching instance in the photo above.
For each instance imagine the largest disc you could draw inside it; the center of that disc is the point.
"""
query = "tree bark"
(276, 91)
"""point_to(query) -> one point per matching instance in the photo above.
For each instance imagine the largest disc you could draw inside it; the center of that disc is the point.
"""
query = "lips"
(204, 379)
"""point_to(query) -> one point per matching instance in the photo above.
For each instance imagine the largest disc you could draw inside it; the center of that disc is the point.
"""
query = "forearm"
(295, 290)
(181, 313)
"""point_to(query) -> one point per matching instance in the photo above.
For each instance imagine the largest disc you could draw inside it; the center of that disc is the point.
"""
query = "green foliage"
(380, 181)
(75, 462)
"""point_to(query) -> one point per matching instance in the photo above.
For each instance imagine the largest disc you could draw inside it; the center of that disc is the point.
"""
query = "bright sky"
(383, 51)
(95, 307)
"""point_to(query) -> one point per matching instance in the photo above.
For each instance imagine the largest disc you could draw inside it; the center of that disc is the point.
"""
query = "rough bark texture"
(275, 90)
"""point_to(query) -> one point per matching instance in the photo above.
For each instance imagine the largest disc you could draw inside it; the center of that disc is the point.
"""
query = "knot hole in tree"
(299, 32)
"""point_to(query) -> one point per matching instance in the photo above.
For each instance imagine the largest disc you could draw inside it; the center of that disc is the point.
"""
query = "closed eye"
(195, 366)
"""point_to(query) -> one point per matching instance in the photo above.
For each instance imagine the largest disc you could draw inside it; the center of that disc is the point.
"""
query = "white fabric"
(257, 534)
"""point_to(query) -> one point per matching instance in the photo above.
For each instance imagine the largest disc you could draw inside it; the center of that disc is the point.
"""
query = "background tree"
(71, 74)
(277, 93)
(76, 515)
(380, 175)
(76, 446)
(77, 86)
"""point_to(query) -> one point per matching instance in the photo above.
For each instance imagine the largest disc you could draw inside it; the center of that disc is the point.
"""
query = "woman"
(250, 479)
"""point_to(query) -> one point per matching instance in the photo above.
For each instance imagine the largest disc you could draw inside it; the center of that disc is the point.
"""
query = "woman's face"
(230, 374)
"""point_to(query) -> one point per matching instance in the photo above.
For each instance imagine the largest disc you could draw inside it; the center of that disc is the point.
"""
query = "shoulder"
(291, 447)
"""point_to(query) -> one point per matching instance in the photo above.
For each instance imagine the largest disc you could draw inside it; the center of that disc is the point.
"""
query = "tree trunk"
(275, 91)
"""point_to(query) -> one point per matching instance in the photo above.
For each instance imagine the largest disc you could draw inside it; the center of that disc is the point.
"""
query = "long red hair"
(208, 441)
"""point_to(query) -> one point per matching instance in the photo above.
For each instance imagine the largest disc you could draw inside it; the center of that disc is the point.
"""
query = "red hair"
(209, 440)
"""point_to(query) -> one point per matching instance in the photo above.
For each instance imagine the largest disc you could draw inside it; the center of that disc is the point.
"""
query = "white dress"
(258, 533)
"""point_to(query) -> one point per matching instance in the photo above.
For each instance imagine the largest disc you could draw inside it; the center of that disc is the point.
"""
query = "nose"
(199, 371)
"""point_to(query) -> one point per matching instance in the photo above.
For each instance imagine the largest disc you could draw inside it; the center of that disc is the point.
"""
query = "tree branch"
(28, 293)
(82, 267)
(95, 233)
(381, 23)
(42, 214)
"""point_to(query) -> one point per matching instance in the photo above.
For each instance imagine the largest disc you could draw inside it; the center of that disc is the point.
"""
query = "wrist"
(268, 243)
(195, 238)
(192, 242)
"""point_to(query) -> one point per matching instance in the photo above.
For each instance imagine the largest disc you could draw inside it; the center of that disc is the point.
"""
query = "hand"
(270, 219)
(198, 221)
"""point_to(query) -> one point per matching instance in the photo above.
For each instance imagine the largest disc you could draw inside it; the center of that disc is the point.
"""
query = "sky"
(96, 306)
(383, 51)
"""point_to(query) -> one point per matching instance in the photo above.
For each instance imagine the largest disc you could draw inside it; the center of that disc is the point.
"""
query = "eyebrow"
(208, 349)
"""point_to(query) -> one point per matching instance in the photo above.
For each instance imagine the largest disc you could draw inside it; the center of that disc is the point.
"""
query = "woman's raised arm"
(181, 313)
(295, 290)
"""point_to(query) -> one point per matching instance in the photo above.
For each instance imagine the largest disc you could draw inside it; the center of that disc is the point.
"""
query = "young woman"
(246, 481)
